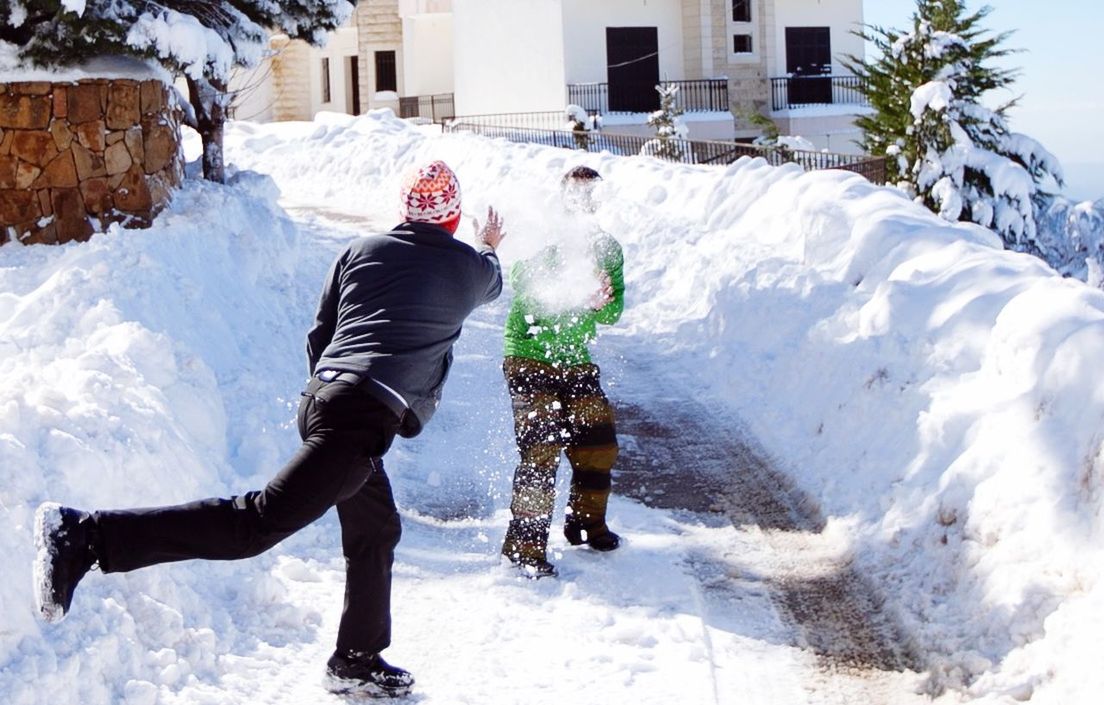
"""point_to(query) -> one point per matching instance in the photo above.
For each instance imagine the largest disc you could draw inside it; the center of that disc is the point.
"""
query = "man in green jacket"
(557, 397)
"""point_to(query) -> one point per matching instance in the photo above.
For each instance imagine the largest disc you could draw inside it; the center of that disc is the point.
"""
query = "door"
(353, 87)
(632, 68)
(809, 63)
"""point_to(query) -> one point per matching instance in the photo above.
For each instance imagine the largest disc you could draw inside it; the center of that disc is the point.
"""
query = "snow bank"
(124, 358)
(937, 394)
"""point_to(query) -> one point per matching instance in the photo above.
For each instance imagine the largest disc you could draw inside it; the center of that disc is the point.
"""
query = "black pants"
(345, 434)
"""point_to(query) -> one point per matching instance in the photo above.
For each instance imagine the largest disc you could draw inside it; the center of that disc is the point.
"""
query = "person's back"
(372, 321)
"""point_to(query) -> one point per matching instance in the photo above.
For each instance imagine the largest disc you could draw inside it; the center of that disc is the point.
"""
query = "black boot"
(65, 540)
(597, 536)
(525, 544)
(360, 673)
(534, 568)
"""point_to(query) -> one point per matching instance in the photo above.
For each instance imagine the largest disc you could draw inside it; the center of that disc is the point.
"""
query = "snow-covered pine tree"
(202, 39)
(671, 131)
(944, 147)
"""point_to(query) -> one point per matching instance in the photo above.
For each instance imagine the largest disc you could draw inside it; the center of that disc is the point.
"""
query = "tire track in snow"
(679, 454)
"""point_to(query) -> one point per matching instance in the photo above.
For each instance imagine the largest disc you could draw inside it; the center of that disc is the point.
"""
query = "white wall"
(427, 54)
(341, 46)
(585, 23)
(509, 56)
(835, 133)
(253, 92)
(419, 7)
(841, 16)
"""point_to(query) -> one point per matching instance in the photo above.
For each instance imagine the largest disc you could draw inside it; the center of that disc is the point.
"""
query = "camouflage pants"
(557, 409)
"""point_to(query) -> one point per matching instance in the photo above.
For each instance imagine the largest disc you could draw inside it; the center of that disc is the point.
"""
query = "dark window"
(741, 10)
(386, 79)
(326, 81)
(741, 43)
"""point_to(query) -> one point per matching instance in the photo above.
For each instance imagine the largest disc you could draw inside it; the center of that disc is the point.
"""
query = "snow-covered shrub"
(795, 142)
(582, 125)
(1070, 236)
(671, 131)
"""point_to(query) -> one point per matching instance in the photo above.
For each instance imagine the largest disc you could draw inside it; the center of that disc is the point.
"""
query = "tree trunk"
(208, 99)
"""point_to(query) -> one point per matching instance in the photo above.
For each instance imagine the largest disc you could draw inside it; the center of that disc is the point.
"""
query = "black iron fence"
(683, 151)
(798, 91)
(437, 108)
(544, 120)
(705, 95)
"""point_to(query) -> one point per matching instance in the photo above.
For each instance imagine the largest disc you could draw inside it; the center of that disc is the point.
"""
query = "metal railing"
(543, 120)
(682, 151)
(704, 95)
(437, 108)
(798, 91)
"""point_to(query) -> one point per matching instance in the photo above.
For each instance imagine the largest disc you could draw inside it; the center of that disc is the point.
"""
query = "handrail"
(788, 92)
(682, 151)
(699, 95)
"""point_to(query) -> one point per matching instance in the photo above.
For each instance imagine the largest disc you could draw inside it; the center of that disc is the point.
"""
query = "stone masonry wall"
(77, 156)
(379, 28)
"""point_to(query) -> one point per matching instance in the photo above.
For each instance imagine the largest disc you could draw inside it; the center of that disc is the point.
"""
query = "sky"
(1062, 103)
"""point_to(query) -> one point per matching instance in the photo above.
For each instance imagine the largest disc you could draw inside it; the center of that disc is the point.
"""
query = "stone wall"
(379, 28)
(291, 81)
(77, 156)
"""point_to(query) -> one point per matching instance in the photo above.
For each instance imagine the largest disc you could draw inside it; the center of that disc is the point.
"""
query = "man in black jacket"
(379, 353)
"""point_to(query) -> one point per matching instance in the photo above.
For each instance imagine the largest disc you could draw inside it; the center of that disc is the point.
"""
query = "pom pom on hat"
(430, 194)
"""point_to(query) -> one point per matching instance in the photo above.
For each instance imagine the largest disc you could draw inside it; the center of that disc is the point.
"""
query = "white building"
(779, 58)
(389, 49)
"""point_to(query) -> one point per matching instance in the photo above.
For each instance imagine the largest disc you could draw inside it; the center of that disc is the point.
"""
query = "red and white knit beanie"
(430, 194)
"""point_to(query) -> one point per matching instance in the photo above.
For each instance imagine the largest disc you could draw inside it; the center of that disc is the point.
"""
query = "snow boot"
(361, 673)
(535, 568)
(524, 546)
(597, 536)
(65, 543)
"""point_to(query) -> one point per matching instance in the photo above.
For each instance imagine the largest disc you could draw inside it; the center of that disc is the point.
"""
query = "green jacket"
(560, 337)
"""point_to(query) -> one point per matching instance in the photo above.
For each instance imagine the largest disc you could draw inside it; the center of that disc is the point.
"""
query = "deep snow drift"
(936, 395)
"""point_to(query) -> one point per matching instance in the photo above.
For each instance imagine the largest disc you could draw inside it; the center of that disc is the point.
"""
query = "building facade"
(733, 58)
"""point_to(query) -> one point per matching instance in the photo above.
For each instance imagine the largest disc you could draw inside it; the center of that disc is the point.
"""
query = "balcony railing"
(706, 95)
(684, 151)
(437, 108)
(800, 91)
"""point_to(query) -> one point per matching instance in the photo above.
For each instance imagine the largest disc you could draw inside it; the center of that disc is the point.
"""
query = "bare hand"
(492, 233)
(604, 295)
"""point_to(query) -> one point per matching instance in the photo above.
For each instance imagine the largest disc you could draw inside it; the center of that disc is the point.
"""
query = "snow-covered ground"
(935, 395)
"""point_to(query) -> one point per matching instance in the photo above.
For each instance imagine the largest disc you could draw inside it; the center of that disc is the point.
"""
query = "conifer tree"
(671, 132)
(202, 39)
(943, 146)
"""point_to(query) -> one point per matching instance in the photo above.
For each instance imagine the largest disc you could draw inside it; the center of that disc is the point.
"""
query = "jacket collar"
(423, 229)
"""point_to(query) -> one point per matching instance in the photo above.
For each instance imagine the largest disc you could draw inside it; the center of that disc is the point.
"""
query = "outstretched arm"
(490, 235)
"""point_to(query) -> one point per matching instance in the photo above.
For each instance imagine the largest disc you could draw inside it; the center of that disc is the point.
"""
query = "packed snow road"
(781, 580)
